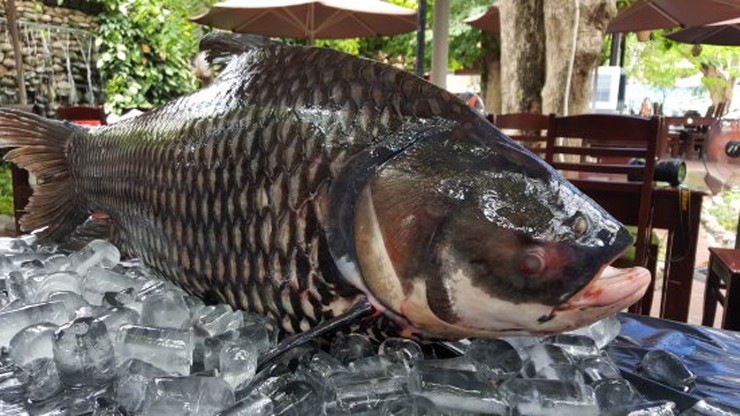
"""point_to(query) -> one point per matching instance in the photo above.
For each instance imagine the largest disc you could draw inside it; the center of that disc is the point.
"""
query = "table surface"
(729, 256)
(713, 355)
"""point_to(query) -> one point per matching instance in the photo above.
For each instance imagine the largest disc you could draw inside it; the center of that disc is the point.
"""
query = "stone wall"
(58, 56)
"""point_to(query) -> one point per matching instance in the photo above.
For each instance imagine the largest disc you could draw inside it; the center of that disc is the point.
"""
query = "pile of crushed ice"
(87, 333)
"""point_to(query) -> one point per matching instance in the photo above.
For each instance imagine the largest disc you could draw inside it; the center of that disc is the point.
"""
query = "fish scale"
(249, 230)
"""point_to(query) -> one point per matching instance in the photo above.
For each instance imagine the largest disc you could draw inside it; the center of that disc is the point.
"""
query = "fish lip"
(611, 286)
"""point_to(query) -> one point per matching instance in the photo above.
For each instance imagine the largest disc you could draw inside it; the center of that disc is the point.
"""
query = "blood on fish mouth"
(612, 287)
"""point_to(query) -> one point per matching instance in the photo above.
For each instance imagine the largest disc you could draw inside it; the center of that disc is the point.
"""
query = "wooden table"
(678, 212)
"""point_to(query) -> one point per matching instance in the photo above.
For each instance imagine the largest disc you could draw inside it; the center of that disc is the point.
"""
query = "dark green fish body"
(262, 189)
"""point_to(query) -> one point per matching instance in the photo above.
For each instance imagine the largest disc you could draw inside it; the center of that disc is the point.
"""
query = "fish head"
(468, 234)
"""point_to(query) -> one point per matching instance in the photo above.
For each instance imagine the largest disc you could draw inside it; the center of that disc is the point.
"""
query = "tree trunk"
(522, 55)
(594, 15)
(10, 13)
(491, 73)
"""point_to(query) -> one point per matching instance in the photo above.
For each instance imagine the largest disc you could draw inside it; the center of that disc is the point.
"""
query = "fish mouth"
(613, 288)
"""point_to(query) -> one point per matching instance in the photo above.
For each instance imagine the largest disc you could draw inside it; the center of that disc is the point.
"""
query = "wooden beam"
(10, 12)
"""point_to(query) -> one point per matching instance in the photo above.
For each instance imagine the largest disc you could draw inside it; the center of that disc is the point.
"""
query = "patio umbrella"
(310, 19)
(725, 33)
(658, 14)
(490, 21)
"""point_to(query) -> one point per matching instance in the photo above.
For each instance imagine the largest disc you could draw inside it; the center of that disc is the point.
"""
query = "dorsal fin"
(220, 46)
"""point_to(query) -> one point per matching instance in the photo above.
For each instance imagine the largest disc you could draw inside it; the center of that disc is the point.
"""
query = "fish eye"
(532, 262)
(580, 224)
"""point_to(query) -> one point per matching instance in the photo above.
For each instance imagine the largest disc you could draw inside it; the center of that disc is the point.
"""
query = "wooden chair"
(86, 115)
(601, 167)
(528, 129)
(695, 128)
(724, 273)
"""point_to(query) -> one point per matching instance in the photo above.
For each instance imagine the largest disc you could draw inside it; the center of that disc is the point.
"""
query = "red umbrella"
(658, 14)
(490, 21)
(310, 19)
(725, 33)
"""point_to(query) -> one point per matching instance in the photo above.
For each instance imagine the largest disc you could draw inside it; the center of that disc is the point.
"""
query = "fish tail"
(42, 146)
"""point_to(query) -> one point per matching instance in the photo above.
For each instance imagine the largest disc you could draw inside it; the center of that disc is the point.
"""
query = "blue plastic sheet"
(712, 354)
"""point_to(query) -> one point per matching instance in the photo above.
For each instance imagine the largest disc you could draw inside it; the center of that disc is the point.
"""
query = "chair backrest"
(670, 134)
(82, 115)
(528, 129)
(602, 163)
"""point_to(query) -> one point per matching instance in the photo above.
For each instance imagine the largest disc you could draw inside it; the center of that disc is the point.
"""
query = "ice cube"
(708, 407)
(456, 363)
(96, 252)
(72, 301)
(41, 378)
(84, 353)
(297, 398)
(379, 366)
(215, 319)
(98, 281)
(56, 263)
(537, 397)
(654, 408)
(455, 390)
(11, 388)
(120, 298)
(167, 348)
(351, 347)
(115, 318)
(6, 266)
(560, 371)
(544, 355)
(405, 349)
(494, 358)
(187, 396)
(254, 334)
(598, 368)
(238, 363)
(165, 309)
(132, 378)
(11, 245)
(257, 405)
(32, 342)
(14, 285)
(105, 406)
(13, 320)
(55, 282)
(667, 368)
(89, 311)
(409, 406)
(268, 322)
(602, 332)
(357, 392)
(611, 393)
(321, 366)
(575, 345)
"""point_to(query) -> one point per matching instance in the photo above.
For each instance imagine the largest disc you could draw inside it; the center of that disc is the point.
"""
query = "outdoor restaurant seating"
(684, 136)
(528, 129)
(723, 273)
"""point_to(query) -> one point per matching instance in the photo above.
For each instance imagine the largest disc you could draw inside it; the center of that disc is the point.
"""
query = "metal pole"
(440, 42)
(616, 44)
(10, 12)
(421, 26)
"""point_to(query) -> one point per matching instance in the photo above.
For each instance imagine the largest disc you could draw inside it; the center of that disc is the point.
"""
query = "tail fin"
(41, 147)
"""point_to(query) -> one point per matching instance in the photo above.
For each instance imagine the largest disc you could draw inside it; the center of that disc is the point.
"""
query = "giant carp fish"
(305, 181)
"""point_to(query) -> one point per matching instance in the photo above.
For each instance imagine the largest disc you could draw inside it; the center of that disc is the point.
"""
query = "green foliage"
(465, 50)
(660, 62)
(145, 47)
(726, 209)
(6, 190)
